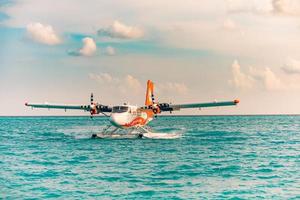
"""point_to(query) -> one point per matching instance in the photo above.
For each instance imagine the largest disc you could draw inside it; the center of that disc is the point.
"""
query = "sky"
(194, 51)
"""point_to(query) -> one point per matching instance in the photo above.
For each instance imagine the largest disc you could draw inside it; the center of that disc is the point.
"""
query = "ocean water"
(217, 157)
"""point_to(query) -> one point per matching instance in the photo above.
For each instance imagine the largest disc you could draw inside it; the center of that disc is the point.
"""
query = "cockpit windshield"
(119, 109)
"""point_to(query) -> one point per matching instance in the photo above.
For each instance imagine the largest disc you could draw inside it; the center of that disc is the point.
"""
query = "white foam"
(84, 132)
(162, 135)
(80, 132)
(149, 135)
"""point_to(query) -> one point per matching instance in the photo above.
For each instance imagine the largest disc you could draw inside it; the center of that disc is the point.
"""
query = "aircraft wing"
(174, 107)
(98, 107)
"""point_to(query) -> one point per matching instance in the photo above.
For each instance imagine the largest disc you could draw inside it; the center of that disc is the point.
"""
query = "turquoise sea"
(218, 157)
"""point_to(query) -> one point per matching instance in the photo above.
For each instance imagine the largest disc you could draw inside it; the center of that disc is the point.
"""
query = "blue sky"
(195, 51)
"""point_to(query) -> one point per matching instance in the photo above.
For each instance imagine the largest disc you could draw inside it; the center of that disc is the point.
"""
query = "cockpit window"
(119, 109)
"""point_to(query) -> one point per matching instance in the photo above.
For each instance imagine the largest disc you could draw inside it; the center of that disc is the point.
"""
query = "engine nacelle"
(93, 109)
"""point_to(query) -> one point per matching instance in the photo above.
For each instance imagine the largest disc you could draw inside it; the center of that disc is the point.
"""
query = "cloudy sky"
(194, 51)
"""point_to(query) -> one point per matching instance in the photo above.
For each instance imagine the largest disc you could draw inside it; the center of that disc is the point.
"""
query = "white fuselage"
(127, 116)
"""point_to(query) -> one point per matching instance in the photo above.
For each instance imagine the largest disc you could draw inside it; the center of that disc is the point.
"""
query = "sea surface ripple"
(217, 157)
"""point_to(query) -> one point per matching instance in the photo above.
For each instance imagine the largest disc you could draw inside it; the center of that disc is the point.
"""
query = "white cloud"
(102, 77)
(240, 79)
(44, 34)
(110, 51)
(292, 66)
(288, 7)
(261, 36)
(123, 85)
(130, 84)
(271, 81)
(266, 77)
(119, 30)
(229, 24)
(172, 87)
(89, 47)
(255, 78)
(283, 7)
(133, 83)
(253, 6)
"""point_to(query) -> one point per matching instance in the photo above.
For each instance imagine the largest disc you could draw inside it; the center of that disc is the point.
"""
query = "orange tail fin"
(149, 93)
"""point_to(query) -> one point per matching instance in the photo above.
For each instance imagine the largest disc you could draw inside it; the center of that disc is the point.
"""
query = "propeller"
(96, 108)
(93, 107)
(155, 107)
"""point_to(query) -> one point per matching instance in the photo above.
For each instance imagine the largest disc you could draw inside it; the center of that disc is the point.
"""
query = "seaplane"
(129, 121)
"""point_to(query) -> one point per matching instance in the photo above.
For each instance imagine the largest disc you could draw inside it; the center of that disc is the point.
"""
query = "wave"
(81, 132)
(162, 135)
